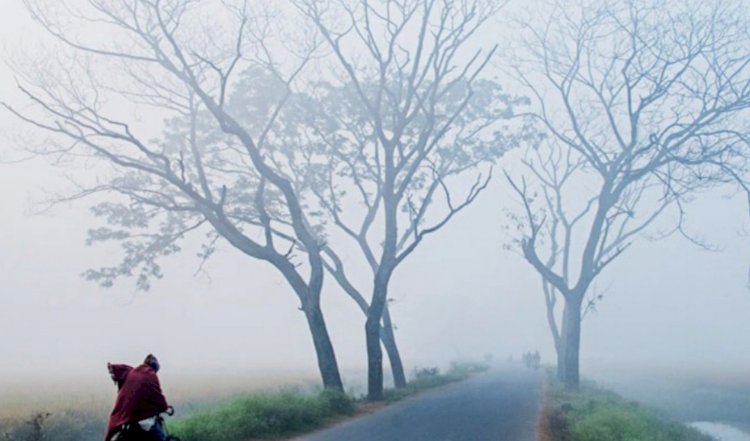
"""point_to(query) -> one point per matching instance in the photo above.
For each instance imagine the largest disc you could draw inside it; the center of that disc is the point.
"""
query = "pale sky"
(459, 296)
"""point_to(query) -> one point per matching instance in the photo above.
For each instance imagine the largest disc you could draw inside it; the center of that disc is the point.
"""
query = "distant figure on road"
(532, 361)
(139, 403)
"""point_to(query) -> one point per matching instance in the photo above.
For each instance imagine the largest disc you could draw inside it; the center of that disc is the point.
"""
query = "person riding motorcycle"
(139, 402)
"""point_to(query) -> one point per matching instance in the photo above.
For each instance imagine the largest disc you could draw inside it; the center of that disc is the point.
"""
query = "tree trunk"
(389, 343)
(560, 365)
(560, 349)
(386, 332)
(550, 300)
(374, 358)
(571, 343)
(560, 352)
(329, 369)
(372, 336)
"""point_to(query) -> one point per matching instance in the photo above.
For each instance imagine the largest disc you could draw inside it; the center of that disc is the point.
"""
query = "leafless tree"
(642, 104)
(409, 117)
(207, 168)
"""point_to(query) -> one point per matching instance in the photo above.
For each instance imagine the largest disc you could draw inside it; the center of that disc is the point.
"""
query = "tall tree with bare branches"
(642, 105)
(407, 118)
(207, 168)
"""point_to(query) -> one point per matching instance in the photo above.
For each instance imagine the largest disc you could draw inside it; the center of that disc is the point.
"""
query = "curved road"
(500, 405)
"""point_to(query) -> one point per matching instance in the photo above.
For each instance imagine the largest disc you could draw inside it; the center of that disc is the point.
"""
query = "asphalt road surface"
(500, 405)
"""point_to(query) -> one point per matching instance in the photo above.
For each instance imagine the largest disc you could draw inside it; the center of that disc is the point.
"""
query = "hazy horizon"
(667, 304)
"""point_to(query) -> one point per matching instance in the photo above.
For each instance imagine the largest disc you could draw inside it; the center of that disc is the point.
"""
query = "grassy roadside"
(263, 416)
(595, 414)
(276, 416)
(250, 413)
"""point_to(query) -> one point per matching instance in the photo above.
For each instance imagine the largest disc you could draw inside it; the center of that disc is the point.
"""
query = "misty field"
(78, 410)
(696, 396)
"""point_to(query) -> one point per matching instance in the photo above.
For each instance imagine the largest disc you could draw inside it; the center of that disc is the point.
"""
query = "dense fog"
(466, 292)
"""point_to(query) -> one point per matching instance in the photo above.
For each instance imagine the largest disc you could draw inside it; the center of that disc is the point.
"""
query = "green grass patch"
(594, 414)
(263, 416)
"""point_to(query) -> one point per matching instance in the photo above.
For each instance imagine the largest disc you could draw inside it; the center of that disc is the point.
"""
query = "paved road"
(500, 405)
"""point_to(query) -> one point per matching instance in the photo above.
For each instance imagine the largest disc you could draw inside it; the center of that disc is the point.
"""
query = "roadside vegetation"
(262, 416)
(253, 414)
(77, 410)
(595, 414)
(72, 424)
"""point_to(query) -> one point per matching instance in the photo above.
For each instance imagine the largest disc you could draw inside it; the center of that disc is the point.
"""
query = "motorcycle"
(134, 431)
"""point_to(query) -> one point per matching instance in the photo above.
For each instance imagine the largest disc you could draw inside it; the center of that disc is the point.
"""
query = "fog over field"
(667, 304)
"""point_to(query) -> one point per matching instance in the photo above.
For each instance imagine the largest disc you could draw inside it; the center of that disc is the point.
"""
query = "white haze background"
(667, 304)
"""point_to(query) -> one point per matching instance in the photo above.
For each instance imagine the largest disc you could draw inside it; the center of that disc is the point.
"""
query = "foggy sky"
(667, 302)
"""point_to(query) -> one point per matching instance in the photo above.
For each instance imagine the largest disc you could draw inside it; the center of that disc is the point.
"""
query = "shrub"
(465, 368)
(337, 402)
(426, 373)
(34, 429)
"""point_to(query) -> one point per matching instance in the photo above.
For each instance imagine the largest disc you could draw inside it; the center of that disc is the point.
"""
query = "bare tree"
(180, 61)
(407, 119)
(642, 105)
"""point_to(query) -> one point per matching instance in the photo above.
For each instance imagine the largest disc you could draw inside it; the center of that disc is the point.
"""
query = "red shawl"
(139, 396)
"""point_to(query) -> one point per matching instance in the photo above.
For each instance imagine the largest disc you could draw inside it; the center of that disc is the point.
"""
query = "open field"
(78, 410)
(687, 396)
